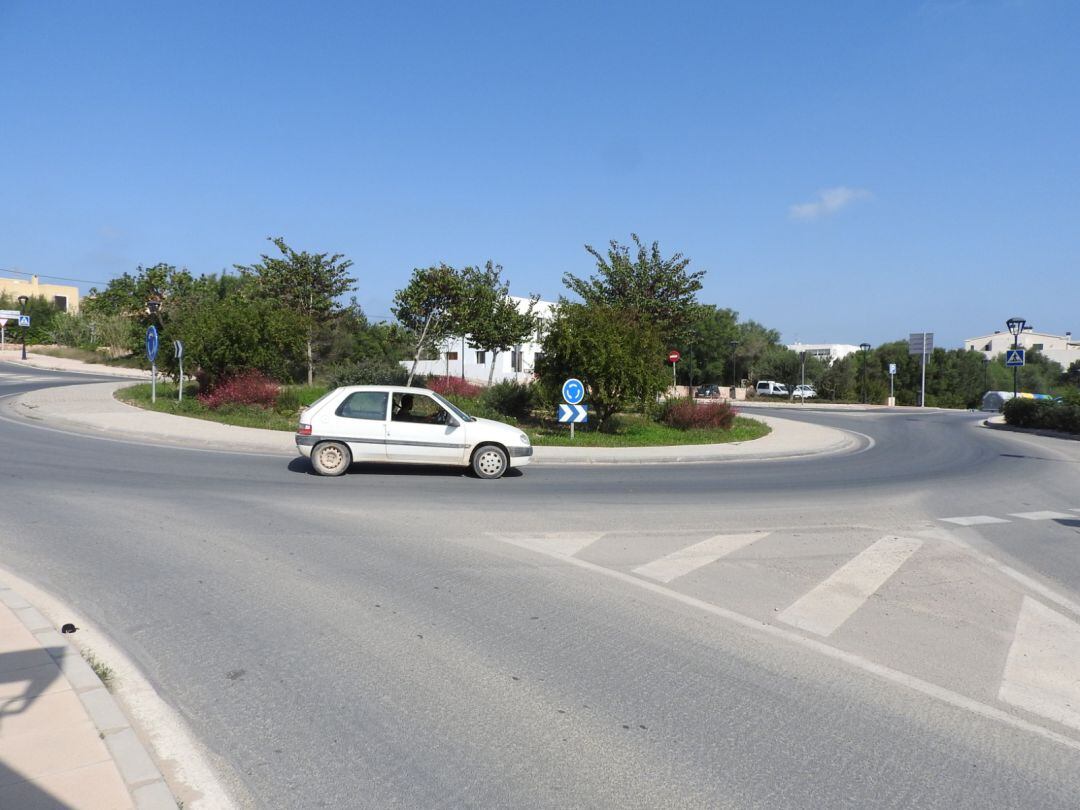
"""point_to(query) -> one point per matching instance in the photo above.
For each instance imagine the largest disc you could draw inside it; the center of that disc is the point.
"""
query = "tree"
(429, 307)
(754, 341)
(660, 289)
(615, 351)
(488, 316)
(706, 348)
(126, 296)
(305, 284)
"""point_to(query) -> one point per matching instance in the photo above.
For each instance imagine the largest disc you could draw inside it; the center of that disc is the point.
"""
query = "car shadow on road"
(303, 466)
(35, 673)
(1072, 523)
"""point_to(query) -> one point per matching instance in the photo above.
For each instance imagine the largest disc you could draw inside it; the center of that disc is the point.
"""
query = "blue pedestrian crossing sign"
(573, 391)
(24, 320)
(574, 413)
(1014, 358)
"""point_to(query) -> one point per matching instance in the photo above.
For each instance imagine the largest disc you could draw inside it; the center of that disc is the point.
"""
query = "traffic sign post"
(3, 335)
(674, 357)
(573, 391)
(1015, 358)
(178, 350)
(892, 389)
(151, 355)
(921, 343)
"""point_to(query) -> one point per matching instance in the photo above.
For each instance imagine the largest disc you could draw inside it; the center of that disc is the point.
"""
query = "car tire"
(331, 458)
(490, 461)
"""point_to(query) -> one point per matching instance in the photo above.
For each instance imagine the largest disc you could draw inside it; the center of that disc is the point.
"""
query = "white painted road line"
(685, 560)
(973, 520)
(555, 544)
(833, 602)
(1040, 515)
(1042, 672)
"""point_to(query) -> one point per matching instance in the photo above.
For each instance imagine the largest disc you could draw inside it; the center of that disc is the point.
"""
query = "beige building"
(66, 298)
(1059, 348)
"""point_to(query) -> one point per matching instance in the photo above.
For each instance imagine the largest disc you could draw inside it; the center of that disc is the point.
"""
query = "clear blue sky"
(844, 171)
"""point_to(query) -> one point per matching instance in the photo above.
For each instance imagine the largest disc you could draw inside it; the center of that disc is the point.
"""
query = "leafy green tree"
(42, 313)
(754, 341)
(616, 352)
(126, 296)
(706, 348)
(661, 289)
(429, 307)
(307, 285)
(492, 321)
(233, 333)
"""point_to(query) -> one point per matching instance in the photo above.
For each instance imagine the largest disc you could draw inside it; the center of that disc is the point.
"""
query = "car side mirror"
(452, 422)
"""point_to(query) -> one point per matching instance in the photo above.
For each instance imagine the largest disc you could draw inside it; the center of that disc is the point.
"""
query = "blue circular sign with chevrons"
(573, 391)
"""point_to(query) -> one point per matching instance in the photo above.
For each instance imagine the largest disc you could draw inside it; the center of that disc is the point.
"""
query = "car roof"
(394, 389)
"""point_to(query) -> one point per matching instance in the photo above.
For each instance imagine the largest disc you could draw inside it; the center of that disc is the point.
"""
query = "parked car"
(771, 388)
(408, 425)
(708, 391)
(804, 392)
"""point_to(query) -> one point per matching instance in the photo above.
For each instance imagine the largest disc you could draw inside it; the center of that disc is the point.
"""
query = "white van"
(771, 388)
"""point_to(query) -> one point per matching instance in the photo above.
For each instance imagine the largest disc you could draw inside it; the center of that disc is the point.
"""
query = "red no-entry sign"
(673, 356)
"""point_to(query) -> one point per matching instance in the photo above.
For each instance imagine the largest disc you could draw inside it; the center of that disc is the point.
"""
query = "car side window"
(418, 408)
(364, 405)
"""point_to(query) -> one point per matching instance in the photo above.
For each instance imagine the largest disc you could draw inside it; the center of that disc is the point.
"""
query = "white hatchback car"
(411, 425)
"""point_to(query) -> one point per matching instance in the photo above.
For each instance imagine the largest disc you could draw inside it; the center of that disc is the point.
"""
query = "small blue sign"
(151, 344)
(1014, 358)
(24, 320)
(573, 391)
(573, 413)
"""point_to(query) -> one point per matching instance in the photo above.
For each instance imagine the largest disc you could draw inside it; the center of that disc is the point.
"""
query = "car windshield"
(454, 409)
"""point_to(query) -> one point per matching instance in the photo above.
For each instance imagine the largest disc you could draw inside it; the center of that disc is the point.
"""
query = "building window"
(60, 301)
(1036, 347)
(989, 347)
(451, 355)
(481, 358)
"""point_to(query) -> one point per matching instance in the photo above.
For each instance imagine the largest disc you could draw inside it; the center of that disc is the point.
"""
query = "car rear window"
(364, 405)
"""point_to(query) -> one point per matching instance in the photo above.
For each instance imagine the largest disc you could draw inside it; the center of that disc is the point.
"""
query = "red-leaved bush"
(245, 388)
(453, 386)
(685, 414)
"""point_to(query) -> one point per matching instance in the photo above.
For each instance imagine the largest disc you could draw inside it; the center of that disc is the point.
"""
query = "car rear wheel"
(490, 461)
(331, 458)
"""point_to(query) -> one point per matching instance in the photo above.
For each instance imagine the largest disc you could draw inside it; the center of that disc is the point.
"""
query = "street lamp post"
(22, 311)
(1016, 327)
(802, 377)
(865, 349)
(734, 376)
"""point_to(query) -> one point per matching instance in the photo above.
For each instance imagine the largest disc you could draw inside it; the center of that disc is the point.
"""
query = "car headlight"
(524, 438)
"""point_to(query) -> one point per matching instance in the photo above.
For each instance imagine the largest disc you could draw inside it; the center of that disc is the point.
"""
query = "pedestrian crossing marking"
(555, 544)
(1042, 672)
(1040, 515)
(974, 520)
(830, 604)
(685, 560)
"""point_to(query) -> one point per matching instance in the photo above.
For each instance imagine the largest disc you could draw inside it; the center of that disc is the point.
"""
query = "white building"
(1059, 348)
(825, 352)
(458, 358)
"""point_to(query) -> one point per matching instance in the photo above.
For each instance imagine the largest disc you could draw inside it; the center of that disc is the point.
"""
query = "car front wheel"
(490, 461)
(331, 458)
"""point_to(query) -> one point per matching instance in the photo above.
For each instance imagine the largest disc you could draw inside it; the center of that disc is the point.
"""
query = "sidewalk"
(64, 743)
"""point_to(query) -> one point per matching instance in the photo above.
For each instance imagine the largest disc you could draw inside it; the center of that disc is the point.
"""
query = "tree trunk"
(310, 365)
(419, 348)
(491, 373)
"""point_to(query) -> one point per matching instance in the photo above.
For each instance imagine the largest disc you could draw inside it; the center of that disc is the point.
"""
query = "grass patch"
(631, 430)
(101, 669)
(638, 431)
(283, 417)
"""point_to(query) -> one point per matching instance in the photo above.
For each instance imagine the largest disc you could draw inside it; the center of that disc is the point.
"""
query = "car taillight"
(303, 430)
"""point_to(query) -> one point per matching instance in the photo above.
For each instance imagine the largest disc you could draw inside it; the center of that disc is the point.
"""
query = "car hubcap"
(490, 463)
(331, 458)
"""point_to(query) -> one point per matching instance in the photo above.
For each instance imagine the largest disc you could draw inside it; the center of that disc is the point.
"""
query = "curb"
(141, 776)
(1052, 434)
(124, 374)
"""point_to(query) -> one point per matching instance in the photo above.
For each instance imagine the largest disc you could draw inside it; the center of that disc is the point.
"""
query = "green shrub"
(367, 372)
(1030, 413)
(510, 398)
(293, 398)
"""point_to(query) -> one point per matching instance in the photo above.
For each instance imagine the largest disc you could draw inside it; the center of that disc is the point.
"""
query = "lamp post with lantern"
(1016, 327)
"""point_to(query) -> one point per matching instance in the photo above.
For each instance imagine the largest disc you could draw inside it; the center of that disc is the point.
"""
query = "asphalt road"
(404, 637)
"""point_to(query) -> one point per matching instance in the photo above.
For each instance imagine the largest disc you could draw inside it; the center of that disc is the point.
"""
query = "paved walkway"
(64, 743)
(93, 409)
